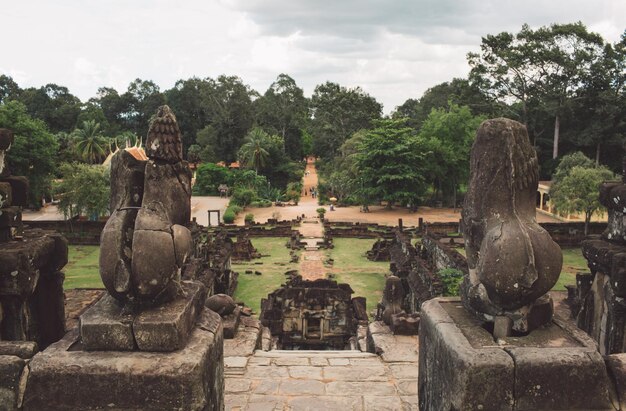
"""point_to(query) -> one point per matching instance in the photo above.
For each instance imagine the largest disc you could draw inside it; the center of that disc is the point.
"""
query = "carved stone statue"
(392, 298)
(512, 261)
(144, 243)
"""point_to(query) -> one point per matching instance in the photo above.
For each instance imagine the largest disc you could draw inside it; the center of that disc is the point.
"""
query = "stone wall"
(442, 255)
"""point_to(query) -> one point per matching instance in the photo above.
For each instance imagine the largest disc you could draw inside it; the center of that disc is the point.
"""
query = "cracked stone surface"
(323, 380)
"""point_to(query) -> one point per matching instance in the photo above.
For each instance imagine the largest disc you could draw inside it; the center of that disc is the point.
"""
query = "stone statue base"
(462, 367)
(65, 376)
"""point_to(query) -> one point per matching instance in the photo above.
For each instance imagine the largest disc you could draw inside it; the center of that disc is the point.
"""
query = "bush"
(261, 203)
(249, 218)
(321, 211)
(235, 208)
(229, 216)
(451, 279)
(208, 177)
(243, 197)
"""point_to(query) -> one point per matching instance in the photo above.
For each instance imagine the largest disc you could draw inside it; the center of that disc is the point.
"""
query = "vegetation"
(276, 261)
(451, 279)
(83, 190)
(82, 269)
(573, 262)
(575, 186)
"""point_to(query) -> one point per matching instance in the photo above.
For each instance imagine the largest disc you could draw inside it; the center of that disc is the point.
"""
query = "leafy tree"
(578, 191)
(537, 67)
(391, 163)
(89, 142)
(252, 153)
(34, 151)
(83, 190)
(283, 110)
(448, 135)
(208, 178)
(193, 154)
(9, 90)
(53, 104)
(338, 112)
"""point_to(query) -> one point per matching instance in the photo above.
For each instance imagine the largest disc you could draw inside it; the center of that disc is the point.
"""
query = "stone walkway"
(322, 380)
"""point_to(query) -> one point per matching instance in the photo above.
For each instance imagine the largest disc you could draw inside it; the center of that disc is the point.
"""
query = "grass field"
(81, 270)
(367, 278)
(573, 262)
(252, 288)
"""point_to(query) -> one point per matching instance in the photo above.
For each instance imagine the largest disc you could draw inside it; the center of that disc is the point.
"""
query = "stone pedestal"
(65, 376)
(461, 367)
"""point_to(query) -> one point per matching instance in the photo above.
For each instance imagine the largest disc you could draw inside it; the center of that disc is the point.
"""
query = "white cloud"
(393, 49)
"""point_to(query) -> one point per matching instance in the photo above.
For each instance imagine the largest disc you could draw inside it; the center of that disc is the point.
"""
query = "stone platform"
(66, 377)
(555, 367)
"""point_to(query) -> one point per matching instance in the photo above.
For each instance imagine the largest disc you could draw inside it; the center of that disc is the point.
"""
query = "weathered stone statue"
(144, 243)
(393, 295)
(512, 261)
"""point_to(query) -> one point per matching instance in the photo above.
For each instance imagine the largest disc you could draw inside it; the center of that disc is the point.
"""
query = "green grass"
(252, 288)
(351, 266)
(573, 262)
(81, 270)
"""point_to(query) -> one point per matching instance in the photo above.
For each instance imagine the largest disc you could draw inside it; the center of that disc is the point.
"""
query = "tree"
(89, 142)
(338, 112)
(53, 104)
(283, 110)
(208, 178)
(544, 66)
(578, 191)
(448, 135)
(34, 151)
(252, 153)
(390, 163)
(83, 190)
(9, 90)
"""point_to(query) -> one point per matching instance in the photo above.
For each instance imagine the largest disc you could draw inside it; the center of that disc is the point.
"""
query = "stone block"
(231, 322)
(616, 365)
(65, 377)
(19, 190)
(167, 327)
(107, 327)
(464, 369)
(11, 368)
(21, 349)
(5, 195)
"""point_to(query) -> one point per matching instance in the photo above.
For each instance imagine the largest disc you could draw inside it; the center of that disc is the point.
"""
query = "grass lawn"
(252, 288)
(367, 278)
(573, 262)
(81, 270)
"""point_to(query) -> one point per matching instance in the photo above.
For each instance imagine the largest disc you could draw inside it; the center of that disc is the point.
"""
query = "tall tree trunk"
(598, 154)
(555, 145)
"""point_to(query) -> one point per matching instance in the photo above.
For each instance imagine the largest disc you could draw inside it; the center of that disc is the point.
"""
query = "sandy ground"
(377, 214)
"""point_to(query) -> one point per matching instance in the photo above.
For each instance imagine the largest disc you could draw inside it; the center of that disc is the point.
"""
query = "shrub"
(261, 203)
(235, 209)
(243, 196)
(229, 216)
(321, 211)
(249, 218)
(208, 177)
(451, 279)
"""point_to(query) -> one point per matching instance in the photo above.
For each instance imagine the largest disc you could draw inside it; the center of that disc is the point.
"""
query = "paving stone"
(318, 362)
(291, 361)
(266, 372)
(265, 402)
(259, 361)
(237, 385)
(404, 371)
(382, 403)
(265, 386)
(358, 388)
(401, 353)
(305, 372)
(235, 402)
(410, 402)
(326, 403)
(339, 361)
(235, 362)
(373, 361)
(298, 387)
(407, 387)
(354, 373)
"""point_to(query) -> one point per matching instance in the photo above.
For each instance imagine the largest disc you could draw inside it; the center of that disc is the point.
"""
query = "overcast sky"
(393, 49)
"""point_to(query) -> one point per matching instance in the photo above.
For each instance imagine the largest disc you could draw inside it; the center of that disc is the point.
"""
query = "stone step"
(311, 248)
(314, 353)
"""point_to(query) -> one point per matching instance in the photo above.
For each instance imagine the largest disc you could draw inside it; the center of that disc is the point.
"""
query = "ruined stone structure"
(390, 309)
(313, 314)
(498, 347)
(512, 261)
(380, 250)
(32, 313)
(243, 248)
(601, 294)
(151, 319)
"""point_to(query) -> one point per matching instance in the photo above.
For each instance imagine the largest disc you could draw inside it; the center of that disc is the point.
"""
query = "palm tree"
(90, 144)
(252, 152)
